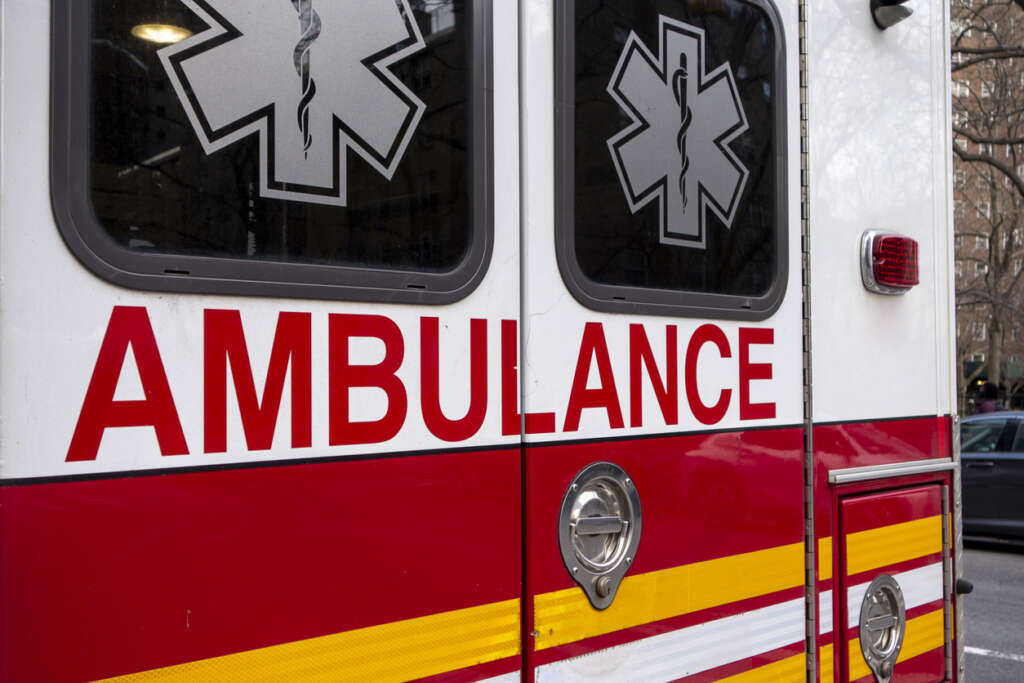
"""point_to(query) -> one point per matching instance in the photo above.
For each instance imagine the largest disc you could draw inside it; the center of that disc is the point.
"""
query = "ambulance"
(477, 340)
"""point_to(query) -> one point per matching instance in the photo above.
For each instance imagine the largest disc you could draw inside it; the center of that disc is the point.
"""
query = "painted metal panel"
(898, 533)
(719, 492)
(137, 558)
(879, 142)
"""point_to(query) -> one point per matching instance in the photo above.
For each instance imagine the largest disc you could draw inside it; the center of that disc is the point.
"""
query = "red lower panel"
(861, 444)
(104, 577)
(857, 444)
(703, 496)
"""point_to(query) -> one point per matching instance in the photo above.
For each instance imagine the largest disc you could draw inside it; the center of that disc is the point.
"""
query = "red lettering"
(534, 423)
(128, 325)
(223, 343)
(509, 378)
(593, 347)
(344, 376)
(430, 381)
(668, 396)
(706, 334)
(754, 371)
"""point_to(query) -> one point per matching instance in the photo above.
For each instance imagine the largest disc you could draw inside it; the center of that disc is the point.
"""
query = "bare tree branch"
(995, 53)
(977, 139)
(995, 163)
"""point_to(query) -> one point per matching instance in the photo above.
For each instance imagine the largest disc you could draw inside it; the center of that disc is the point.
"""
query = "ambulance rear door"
(662, 340)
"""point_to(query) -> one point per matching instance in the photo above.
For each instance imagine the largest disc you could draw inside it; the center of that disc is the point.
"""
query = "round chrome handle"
(599, 530)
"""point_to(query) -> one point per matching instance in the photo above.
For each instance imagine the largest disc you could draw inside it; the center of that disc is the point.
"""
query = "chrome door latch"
(883, 622)
(599, 530)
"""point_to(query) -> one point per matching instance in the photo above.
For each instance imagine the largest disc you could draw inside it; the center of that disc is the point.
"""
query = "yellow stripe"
(399, 651)
(924, 634)
(826, 663)
(566, 616)
(788, 669)
(891, 544)
(825, 558)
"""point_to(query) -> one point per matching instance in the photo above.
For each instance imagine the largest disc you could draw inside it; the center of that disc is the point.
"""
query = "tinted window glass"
(676, 130)
(1018, 439)
(154, 187)
(299, 147)
(980, 437)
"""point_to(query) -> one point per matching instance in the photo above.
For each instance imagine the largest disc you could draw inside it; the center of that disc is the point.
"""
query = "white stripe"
(825, 612)
(513, 677)
(992, 653)
(690, 650)
(920, 586)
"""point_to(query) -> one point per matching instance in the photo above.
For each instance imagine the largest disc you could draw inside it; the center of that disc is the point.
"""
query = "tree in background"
(988, 147)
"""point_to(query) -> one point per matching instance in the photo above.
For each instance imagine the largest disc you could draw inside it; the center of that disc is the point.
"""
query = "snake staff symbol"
(670, 96)
(309, 21)
(686, 115)
(238, 79)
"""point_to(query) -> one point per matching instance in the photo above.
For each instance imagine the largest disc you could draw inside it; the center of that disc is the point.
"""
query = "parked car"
(992, 454)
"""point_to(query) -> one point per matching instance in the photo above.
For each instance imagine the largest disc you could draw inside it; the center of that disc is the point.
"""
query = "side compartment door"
(892, 583)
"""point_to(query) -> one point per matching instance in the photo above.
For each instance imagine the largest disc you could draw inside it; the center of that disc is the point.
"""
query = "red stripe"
(114, 576)
(746, 664)
(654, 628)
(478, 673)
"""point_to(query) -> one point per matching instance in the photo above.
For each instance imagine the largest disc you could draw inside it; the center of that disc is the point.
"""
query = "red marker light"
(889, 263)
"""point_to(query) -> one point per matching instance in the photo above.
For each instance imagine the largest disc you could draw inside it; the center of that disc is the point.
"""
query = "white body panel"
(51, 334)
(553, 320)
(879, 141)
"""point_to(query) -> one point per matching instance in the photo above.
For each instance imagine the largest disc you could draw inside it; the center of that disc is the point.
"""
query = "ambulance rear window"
(671, 156)
(333, 150)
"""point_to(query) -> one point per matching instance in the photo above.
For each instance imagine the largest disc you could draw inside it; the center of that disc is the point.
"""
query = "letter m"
(224, 343)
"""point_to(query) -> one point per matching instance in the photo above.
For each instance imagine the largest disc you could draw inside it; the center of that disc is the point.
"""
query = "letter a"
(128, 325)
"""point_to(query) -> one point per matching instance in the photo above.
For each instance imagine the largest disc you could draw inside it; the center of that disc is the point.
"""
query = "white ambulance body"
(461, 340)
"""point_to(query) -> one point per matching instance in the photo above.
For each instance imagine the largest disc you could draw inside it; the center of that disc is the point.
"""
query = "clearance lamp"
(889, 262)
(161, 33)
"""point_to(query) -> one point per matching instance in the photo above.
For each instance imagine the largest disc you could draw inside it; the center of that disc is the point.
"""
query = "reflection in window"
(617, 246)
(980, 437)
(155, 190)
(441, 12)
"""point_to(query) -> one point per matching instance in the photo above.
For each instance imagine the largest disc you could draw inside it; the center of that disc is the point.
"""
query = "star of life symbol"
(676, 150)
(311, 82)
